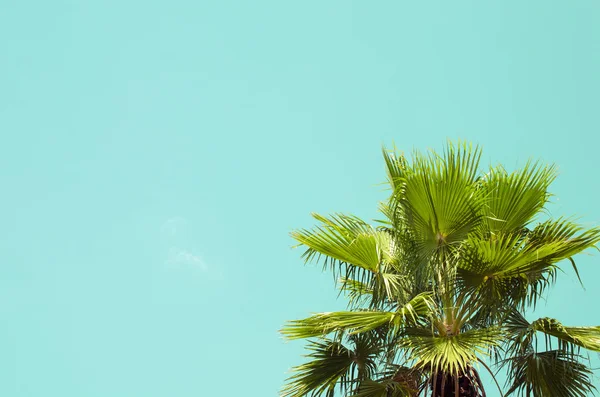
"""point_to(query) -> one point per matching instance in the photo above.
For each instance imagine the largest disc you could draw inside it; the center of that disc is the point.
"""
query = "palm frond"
(451, 354)
(512, 200)
(506, 256)
(348, 240)
(514, 269)
(358, 292)
(564, 236)
(438, 199)
(385, 388)
(382, 290)
(440, 283)
(355, 322)
(396, 166)
(550, 373)
(329, 366)
(334, 365)
(523, 334)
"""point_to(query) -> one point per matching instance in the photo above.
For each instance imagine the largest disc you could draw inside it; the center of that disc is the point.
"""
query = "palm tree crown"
(442, 285)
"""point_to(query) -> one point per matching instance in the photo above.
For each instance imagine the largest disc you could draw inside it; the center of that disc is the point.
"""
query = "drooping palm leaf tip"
(440, 287)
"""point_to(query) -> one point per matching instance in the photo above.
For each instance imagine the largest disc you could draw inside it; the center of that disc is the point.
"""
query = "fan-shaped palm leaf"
(451, 354)
(512, 200)
(358, 249)
(507, 268)
(332, 364)
(522, 334)
(438, 199)
(552, 373)
(355, 322)
(442, 282)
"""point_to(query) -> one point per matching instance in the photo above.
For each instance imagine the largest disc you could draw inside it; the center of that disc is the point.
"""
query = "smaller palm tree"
(440, 287)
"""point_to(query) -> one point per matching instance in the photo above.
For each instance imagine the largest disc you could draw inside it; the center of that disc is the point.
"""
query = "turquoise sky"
(155, 155)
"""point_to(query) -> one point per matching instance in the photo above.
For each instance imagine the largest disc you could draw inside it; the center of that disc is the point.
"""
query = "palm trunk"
(467, 384)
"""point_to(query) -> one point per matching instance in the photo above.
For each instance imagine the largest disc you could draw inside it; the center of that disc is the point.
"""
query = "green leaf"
(357, 291)
(586, 337)
(347, 239)
(564, 236)
(443, 276)
(552, 373)
(438, 199)
(355, 322)
(507, 269)
(523, 334)
(334, 365)
(384, 388)
(512, 200)
(396, 166)
(451, 354)
(329, 365)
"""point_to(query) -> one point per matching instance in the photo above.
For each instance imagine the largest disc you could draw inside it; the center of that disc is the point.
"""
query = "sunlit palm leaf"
(451, 353)
(396, 166)
(334, 366)
(586, 337)
(522, 334)
(507, 256)
(330, 364)
(516, 254)
(382, 290)
(552, 373)
(438, 198)
(512, 200)
(444, 277)
(503, 271)
(508, 268)
(566, 237)
(355, 322)
(394, 287)
(357, 291)
(347, 239)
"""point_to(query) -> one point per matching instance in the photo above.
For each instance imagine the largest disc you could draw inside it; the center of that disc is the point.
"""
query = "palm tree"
(441, 287)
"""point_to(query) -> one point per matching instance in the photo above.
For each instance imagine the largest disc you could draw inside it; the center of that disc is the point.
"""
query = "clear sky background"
(155, 156)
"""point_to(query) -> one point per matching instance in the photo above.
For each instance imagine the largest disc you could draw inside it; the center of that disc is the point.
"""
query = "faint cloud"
(181, 258)
(180, 250)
